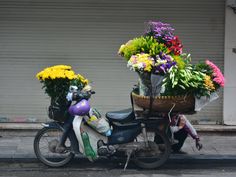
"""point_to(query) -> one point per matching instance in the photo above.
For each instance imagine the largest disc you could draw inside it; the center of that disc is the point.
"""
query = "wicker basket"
(180, 104)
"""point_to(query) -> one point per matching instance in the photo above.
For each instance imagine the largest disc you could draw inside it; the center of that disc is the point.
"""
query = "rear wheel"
(157, 152)
(45, 143)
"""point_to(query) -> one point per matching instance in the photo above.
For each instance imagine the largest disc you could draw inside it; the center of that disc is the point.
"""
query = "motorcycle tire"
(150, 161)
(46, 140)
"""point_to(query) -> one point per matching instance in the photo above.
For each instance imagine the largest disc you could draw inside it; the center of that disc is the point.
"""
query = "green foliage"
(77, 82)
(152, 47)
(204, 68)
(207, 71)
(56, 88)
(145, 44)
(179, 61)
(183, 81)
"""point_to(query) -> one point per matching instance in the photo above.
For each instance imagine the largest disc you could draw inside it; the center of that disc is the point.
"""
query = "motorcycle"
(145, 141)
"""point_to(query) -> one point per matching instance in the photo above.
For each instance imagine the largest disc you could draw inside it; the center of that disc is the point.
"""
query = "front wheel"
(45, 143)
(156, 153)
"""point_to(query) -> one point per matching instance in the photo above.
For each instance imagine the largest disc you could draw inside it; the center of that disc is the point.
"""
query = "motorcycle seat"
(122, 116)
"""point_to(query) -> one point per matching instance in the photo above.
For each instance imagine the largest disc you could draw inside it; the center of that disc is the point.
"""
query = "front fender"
(71, 135)
(53, 125)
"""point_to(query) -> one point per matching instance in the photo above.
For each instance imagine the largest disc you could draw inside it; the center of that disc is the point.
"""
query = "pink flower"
(218, 76)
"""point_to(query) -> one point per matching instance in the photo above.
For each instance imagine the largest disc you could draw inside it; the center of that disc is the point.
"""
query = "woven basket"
(181, 104)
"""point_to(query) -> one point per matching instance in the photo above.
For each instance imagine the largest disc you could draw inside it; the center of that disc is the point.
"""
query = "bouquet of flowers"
(57, 79)
(160, 53)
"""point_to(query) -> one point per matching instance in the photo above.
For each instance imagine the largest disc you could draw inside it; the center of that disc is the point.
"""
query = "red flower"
(175, 46)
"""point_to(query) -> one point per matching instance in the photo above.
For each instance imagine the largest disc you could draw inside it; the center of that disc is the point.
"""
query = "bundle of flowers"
(160, 52)
(57, 79)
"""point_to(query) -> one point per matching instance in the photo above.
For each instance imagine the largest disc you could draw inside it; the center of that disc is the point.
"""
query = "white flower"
(140, 66)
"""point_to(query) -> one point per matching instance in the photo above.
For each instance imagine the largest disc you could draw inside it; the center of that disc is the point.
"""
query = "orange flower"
(208, 83)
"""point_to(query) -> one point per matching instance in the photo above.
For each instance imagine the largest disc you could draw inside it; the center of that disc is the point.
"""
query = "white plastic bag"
(205, 100)
(156, 81)
(98, 123)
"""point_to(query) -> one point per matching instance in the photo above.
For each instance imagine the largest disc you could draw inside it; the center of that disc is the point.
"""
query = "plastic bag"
(89, 152)
(97, 122)
(58, 110)
(156, 81)
(205, 100)
(144, 84)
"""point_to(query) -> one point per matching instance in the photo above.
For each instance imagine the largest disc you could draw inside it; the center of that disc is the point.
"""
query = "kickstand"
(128, 153)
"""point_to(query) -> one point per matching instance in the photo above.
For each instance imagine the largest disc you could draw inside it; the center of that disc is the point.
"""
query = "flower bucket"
(180, 104)
(145, 84)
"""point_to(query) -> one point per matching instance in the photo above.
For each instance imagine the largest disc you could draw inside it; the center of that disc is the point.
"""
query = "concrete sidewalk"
(17, 145)
(36, 126)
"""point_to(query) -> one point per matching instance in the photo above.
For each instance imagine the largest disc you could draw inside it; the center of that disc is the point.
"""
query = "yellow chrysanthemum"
(55, 72)
(82, 79)
(45, 75)
(86, 81)
(63, 67)
(58, 75)
(52, 76)
(39, 75)
(57, 79)
(70, 74)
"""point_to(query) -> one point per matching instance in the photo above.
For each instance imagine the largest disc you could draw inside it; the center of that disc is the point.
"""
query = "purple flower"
(174, 63)
(162, 67)
(161, 31)
(168, 65)
(163, 63)
(168, 58)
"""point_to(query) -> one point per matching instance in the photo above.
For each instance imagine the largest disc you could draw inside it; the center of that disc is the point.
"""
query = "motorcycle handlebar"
(78, 96)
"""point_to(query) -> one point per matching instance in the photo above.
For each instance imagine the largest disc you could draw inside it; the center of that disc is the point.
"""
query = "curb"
(214, 157)
(215, 128)
(174, 158)
(20, 126)
(37, 126)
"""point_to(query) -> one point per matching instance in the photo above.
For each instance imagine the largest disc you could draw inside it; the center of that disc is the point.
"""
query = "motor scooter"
(143, 140)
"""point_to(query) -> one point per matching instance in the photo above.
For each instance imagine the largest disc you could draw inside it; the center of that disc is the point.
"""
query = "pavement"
(219, 144)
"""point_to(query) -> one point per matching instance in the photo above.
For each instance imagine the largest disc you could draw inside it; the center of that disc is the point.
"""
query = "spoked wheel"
(156, 153)
(45, 144)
